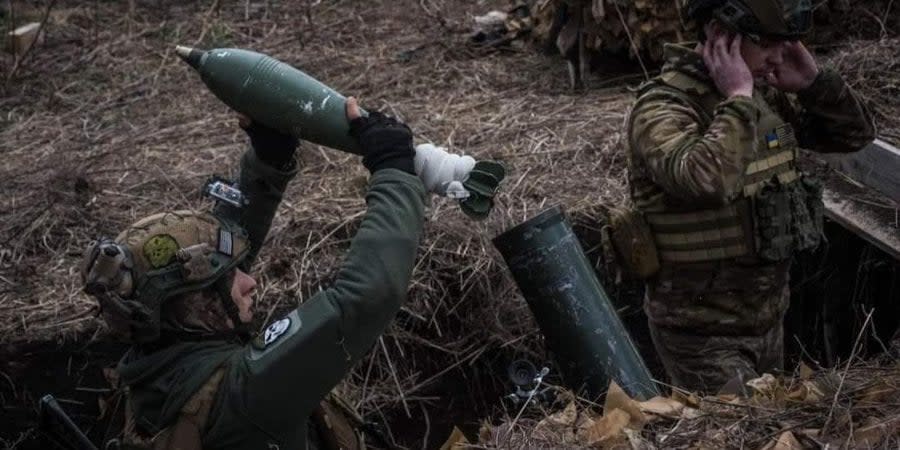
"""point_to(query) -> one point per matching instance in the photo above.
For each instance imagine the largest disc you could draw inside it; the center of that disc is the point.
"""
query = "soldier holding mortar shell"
(178, 287)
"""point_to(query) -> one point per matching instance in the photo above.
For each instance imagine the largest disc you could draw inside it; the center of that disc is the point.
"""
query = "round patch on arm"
(274, 331)
(160, 250)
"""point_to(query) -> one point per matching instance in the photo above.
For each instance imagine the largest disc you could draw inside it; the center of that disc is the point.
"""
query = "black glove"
(272, 146)
(386, 143)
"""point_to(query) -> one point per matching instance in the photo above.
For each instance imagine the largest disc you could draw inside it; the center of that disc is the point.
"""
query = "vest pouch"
(632, 243)
(772, 214)
(808, 211)
(337, 424)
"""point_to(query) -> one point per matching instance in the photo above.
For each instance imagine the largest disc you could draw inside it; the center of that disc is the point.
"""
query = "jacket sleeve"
(687, 160)
(263, 186)
(828, 116)
(303, 356)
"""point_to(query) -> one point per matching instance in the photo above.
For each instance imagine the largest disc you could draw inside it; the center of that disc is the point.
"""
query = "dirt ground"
(102, 125)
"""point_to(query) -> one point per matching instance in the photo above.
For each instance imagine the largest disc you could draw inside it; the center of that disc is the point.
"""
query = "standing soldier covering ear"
(176, 286)
(713, 143)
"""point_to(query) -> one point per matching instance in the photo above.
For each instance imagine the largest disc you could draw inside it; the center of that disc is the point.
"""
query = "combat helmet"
(156, 259)
(756, 19)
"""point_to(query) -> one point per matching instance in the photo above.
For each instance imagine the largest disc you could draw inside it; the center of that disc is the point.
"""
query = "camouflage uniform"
(265, 391)
(699, 165)
(191, 380)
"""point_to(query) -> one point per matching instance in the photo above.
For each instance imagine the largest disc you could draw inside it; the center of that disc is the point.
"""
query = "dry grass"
(850, 407)
(103, 125)
(872, 68)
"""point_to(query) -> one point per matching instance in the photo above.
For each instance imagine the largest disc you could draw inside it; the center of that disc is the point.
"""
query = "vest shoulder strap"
(683, 87)
(187, 432)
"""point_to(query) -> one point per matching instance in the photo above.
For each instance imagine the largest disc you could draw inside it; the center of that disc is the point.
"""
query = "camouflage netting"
(585, 30)
(634, 27)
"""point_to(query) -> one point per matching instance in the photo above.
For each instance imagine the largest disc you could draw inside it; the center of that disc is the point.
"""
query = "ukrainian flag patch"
(772, 139)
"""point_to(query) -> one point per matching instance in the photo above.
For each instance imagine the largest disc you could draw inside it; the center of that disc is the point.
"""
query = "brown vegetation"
(102, 124)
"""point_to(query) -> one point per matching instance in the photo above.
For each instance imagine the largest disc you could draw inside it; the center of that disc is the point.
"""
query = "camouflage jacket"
(689, 150)
(684, 159)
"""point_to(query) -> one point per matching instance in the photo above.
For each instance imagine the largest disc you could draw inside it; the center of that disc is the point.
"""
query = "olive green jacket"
(273, 384)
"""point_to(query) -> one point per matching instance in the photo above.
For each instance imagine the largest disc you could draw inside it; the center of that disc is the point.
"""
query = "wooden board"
(866, 220)
(876, 166)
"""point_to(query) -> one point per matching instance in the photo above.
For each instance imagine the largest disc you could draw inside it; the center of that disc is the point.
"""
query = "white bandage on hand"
(441, 172)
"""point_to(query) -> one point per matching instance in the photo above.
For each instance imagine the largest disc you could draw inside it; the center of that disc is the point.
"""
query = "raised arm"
(829, 116)
(695, 158)
(690, 161)
(265, 171)
(306, 354)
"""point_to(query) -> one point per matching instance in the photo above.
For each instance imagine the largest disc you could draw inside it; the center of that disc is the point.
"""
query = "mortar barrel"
(576, 317)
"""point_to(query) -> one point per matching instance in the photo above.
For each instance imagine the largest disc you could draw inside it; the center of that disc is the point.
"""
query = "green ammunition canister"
(575, 315)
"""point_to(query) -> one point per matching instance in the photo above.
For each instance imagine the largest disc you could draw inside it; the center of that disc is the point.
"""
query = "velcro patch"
(160, 250)
(276, 330)
(772, 140)
(786, 135)
(226, 242)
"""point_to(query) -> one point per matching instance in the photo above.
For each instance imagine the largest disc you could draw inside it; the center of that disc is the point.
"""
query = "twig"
(427, 426)
(877, 20)
(18, 62)
(394, 375)
(837, 393)
(9, 380)
(12, 24)
(131, 12)
(213, 8)
(887, 10)
(792, 427)
(634, 48)
(512, 425)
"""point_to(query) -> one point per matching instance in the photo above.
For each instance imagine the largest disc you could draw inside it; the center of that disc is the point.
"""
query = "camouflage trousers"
(704, 363)
(711, 322)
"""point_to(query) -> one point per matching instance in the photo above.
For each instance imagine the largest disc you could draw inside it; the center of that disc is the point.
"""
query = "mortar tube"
(576, 317)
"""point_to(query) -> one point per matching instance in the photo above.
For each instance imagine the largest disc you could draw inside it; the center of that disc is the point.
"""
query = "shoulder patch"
(226, 242)
(276, 330)
(160, 250)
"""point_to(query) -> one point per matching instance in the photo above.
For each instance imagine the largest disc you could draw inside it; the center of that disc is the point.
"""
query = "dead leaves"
(875, 432)
(784, 441)
(619, 426)
(456, 441)
(669, 408)
(774, 413)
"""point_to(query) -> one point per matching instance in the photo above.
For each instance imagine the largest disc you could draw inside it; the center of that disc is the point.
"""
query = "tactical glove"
(272, 146)
(386, 143)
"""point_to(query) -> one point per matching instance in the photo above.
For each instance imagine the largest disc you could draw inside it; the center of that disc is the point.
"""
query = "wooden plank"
(860, 218)
(876, 166)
